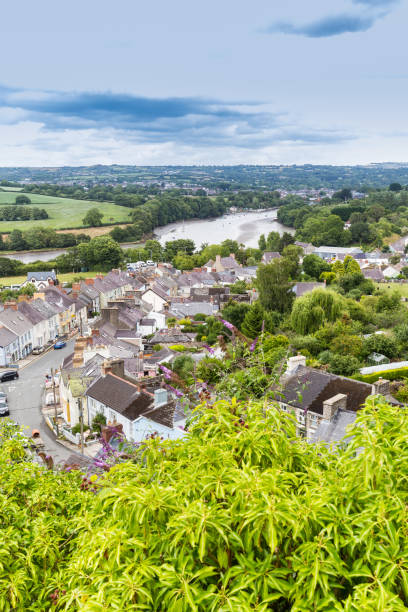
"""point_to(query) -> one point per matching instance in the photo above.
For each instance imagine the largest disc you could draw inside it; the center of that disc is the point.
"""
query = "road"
(25, 397)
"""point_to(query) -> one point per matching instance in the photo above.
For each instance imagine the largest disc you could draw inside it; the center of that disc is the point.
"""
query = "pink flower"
(209, 349)
(228, 325)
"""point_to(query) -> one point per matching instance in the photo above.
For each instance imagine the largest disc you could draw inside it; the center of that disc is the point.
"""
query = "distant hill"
(220, 177)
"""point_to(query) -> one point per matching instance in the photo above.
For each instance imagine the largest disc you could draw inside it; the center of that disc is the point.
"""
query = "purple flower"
(209, 349)
(253, 345)
(227, 324)
(167, 373)
(177, 392)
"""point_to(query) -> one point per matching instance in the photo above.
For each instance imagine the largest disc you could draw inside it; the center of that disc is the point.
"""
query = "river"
(244, 227)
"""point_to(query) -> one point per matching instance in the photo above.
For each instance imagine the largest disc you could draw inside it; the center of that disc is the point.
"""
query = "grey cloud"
(191, 121)
(328, 26)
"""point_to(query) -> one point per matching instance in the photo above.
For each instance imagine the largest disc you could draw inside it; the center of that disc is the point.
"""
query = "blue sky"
(215, 82)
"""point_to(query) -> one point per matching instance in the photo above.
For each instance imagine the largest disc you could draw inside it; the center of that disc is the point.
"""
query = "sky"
(126, 82)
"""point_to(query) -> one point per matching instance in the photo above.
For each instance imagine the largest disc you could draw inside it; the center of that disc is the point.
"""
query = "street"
(25, 396)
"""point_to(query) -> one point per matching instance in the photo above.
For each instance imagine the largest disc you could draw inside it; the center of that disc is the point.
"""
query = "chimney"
(160, 397)
(100, 276)
(76, 287)
(39, 296)
(24, 298)
(293, 363)
(95, 332)
(89, 281)
(333, 404)
(110, 430)
(106, 368)
(218, 259)
(232, 255)
(381, 387)
(10, 305)
(117, 366)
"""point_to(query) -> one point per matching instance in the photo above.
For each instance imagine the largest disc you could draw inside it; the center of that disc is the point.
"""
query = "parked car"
(37, 350)
(4, 409)
(8, 375)
(3, 397)
(60, 344)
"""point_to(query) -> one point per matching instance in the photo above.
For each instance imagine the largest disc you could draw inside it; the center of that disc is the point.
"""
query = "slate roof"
(42, 276)
(334, 430)
(120, 395)
(270, 255)
(301, 288)
(309, 388)
(373, 274)
(15, 321)
(7, 337)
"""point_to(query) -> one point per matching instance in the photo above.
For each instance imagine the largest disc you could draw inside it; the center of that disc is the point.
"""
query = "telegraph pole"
(81, 421)
(55, 401)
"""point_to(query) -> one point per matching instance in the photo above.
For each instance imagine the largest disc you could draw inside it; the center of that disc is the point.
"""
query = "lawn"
(402, 288)
(67, 277)
(63, 212)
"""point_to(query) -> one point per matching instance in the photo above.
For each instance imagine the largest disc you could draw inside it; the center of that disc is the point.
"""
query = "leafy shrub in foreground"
(240, 516)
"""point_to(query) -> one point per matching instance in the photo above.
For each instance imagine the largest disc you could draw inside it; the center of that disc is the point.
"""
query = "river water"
(244, 227)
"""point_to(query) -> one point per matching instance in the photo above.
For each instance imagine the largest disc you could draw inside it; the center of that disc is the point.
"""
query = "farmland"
(63, 213)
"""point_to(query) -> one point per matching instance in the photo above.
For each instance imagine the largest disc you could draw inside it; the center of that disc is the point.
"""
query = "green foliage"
(274, 286)
(242, 515)
(235, 312)
(256, 320)
(183, 366)
(210, 370)
(97, 422)
(396, 374)
(312, 310)
(314, 266)
(93, 217)
(380, 343)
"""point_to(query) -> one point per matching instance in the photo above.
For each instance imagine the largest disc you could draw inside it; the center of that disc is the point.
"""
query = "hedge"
(387, 374)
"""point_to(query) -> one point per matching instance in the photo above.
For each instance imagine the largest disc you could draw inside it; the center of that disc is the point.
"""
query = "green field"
(66, 277)
(402, 288)
(63, 212)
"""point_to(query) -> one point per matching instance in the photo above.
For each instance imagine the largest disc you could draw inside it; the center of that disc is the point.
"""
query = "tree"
(395, 187)
(380, 343)
(235, 312)
(274, 286)
(313, 266)
(93, 217)
(256, 319)
(360, 232)
(292, 254)
(343, 195)
(183, 366)
(16, 241)
(314, 309)
(262, 242)
(23, 199)
(102, 251)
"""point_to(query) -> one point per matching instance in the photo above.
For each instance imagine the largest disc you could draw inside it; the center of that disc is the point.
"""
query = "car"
(3, 397)
(4, 409)
(60, 344)
(8, 375)
(37, 350)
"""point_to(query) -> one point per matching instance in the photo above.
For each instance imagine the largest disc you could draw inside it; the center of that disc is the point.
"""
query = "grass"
(402, 288)
(63, 212)
(67, 277)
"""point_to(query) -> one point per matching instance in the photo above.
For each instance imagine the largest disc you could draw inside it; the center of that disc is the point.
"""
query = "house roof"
(334, 430)
(15, 321)
(120, 395)
(301, 288)
(7, 337)
(270, 255)
(309, 388)
(41, 276)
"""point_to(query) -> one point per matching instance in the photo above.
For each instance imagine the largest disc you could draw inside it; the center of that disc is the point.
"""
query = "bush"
(98, 420)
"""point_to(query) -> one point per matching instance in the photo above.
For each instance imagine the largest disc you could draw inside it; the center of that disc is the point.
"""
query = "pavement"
(25, 398)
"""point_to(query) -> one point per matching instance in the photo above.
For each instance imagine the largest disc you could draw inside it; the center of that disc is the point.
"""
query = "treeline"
(39, 238)
(366, 222)
(22, 213)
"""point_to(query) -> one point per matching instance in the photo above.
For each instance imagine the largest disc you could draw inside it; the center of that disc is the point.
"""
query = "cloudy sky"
(232, 81)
